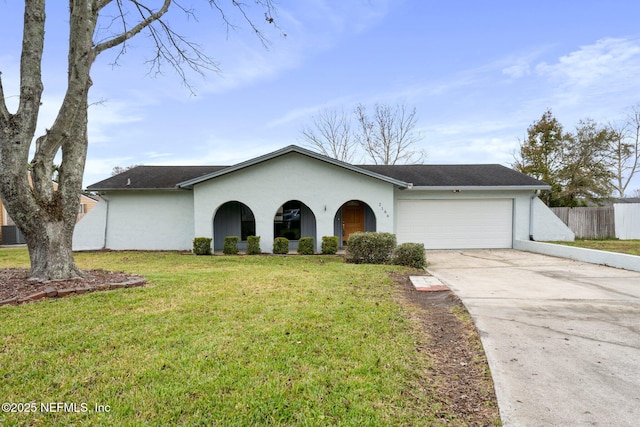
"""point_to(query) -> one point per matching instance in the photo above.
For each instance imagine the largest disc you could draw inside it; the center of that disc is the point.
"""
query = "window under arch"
(233, 219)
(294, 220)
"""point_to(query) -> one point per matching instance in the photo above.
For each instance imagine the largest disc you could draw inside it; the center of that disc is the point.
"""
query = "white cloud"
(518, 70)
(311, 27)
(105, 116)
(595, 77)
(596, 64)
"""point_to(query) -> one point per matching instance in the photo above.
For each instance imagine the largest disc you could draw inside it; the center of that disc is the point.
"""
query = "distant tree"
(577, 165)
(388, 136)
(586, 174)
(540, 155)
(635, 192)
(625, 149)
(331, 135)
(46, 216)
(117, 170)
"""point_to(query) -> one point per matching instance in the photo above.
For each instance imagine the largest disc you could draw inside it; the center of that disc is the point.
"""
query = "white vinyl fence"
(627, 218)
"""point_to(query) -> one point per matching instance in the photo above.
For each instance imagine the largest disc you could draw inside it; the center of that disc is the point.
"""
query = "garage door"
(456, 224)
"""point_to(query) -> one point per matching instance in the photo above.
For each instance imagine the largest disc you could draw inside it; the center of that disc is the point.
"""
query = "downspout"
(106, 222)
(533, 196)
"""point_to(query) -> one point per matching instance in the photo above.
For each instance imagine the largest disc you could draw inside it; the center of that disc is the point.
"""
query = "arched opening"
(353, 216)
(294, 220)
(233, 219)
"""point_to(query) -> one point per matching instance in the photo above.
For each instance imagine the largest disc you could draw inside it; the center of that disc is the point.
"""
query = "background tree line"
(587, 166)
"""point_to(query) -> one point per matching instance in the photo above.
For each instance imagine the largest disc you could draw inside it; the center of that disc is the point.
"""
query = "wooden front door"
(352, 219)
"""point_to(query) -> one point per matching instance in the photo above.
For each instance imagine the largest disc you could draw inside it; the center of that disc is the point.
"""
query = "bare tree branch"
(146, 22)
(624, 149)
(331, 135)
(4, 110)
(389, 136)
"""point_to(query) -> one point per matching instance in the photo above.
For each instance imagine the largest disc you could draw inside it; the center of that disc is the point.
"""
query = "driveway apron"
(562, 337)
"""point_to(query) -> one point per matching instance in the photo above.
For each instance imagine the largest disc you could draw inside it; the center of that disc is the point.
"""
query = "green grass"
(229, 341)
(631, 247)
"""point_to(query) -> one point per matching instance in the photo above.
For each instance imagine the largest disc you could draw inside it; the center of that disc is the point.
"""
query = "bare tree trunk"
(47, 216)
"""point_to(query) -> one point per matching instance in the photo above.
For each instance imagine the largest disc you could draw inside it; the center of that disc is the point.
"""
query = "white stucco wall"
(547, 226)
(150, 220)
(88, 234)
(520, 199)
(264, 187)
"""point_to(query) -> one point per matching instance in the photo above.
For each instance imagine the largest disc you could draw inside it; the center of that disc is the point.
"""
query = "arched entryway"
(233, 219)
(294, 220)
(353, 216)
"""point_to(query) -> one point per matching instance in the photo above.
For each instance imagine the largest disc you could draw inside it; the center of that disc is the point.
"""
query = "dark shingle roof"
(490, 175)
(168, 177)
(153, 177)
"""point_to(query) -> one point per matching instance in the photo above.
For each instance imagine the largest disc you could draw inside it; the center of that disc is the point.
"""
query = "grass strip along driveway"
(631, 247)
(261, 340)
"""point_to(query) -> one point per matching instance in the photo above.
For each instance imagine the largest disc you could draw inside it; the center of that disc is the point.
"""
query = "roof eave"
(480, 187)
(134, 189)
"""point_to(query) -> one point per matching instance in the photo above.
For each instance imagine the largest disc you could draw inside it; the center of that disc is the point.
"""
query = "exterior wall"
(86, 205)
(89, 234)
(149, 220)
(547, 226)
(521, 203)
(611, 259)
(264, 187)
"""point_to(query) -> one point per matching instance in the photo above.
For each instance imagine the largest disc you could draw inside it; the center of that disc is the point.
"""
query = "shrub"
(305, 246)
(410, 255)
(281, 245)
(230, 245)
(370, 248)
(202, 246)
(253, 245)
(329, 245)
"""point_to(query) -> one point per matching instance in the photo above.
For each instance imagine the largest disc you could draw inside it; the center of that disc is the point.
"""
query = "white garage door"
(456, 224)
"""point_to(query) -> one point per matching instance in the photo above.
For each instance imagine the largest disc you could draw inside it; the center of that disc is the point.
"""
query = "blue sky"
(478, 73)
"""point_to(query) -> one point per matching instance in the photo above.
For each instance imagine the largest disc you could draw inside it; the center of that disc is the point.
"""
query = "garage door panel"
(456, 224)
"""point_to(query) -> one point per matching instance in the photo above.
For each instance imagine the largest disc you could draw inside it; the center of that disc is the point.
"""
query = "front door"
(352, 219)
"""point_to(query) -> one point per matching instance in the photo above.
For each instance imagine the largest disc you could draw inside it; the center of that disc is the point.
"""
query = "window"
(287, 221)
(247, 222)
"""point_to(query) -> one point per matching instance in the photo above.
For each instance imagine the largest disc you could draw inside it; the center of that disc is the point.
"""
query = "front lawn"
(261, 340)
(631, 247)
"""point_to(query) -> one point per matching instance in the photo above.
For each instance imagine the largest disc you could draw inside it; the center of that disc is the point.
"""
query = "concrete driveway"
(562, 337)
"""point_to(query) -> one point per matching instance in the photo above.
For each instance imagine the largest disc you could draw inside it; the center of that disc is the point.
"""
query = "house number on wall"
(383, 209)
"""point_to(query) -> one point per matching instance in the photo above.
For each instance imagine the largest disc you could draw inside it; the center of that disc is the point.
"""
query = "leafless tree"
(389, 136)
(331, 135)
(46, 216)
(625, 149)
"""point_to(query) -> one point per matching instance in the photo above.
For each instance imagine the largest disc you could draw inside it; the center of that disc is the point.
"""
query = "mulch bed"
(459, 371)
(17, 288)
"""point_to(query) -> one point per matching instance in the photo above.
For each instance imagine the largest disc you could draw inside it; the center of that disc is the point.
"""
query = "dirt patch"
(459, 371)
(17, 288)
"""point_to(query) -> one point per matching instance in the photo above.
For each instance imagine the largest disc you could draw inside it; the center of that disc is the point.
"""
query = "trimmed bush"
(281, 245)
(329, 245)
(253, 245)
(202, 246)
(305, 246)
(410, 255)
(230, 245)
(370, 248)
